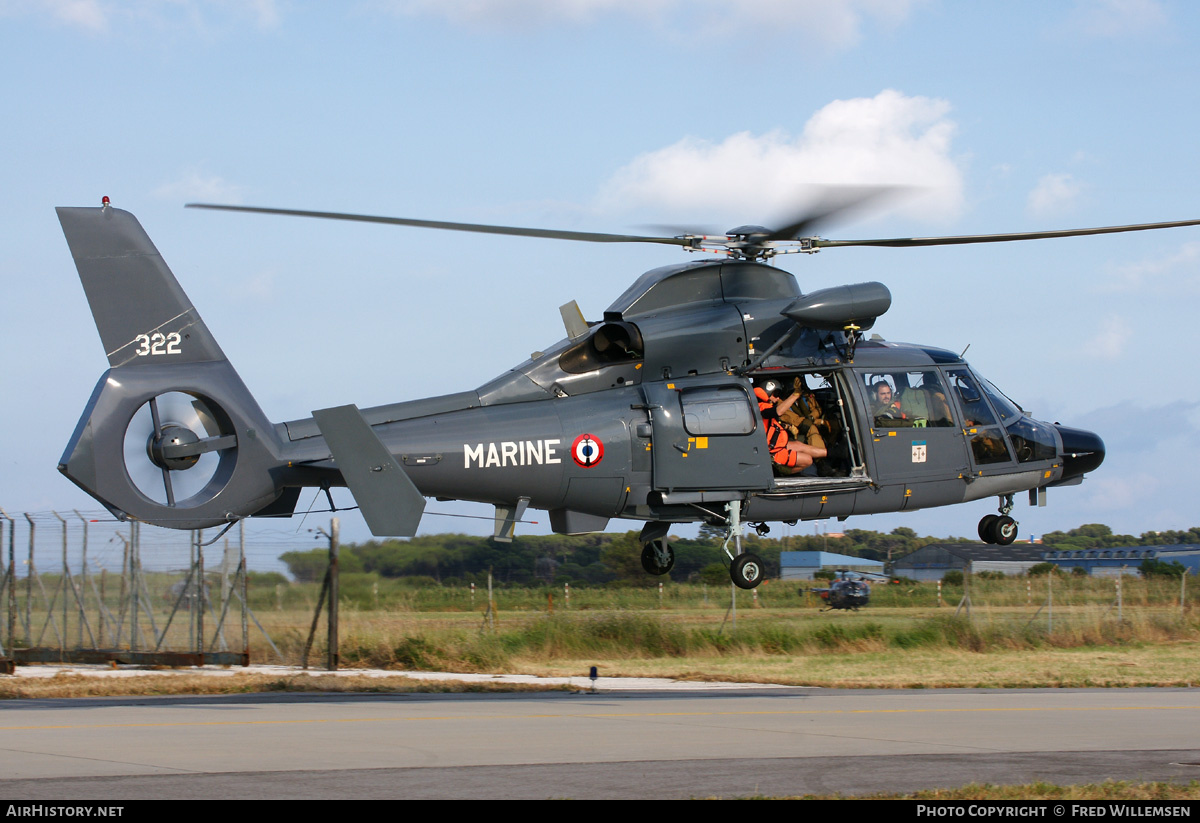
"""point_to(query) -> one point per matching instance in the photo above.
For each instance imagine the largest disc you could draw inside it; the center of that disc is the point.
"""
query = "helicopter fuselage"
(652, 413)
(671, 428)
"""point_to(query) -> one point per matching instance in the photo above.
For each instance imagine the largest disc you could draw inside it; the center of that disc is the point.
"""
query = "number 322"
(158, 343)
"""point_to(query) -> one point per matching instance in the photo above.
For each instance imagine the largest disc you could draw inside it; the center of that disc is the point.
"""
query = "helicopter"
(849, 590)
(654, 412)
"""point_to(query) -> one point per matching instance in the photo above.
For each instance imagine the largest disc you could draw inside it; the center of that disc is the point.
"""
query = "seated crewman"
(886, 409)
(788, 456)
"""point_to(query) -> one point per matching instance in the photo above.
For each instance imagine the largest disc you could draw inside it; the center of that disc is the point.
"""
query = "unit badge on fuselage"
(587, 450)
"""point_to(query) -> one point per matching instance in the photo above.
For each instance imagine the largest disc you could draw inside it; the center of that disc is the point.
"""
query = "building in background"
(933, 561)
(803, 565)
(1125, 559)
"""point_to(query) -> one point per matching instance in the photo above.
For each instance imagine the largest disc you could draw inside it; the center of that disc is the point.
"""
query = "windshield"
(1031, 439)
(1004, 407)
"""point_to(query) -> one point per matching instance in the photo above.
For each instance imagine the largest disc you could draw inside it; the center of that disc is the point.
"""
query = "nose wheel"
(999, 529)
(746, 571)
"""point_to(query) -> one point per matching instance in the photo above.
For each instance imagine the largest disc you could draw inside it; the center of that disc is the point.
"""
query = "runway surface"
(628, 744)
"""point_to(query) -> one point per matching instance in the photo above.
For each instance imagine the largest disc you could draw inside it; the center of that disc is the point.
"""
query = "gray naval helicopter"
(849, 591)
(648, 413)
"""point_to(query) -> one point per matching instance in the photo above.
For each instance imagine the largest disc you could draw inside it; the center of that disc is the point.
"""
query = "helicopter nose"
(1082, 451)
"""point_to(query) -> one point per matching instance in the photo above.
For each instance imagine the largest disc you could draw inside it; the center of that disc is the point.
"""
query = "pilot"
(789, 456)
(886, 409)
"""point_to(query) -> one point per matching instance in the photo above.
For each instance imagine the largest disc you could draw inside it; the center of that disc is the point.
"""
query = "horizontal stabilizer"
(388, 500)
(507, 518)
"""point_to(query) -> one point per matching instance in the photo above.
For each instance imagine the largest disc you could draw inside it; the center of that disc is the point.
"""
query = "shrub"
(1151, 567)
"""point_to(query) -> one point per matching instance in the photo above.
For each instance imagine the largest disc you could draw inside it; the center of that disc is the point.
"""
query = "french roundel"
(587, 450)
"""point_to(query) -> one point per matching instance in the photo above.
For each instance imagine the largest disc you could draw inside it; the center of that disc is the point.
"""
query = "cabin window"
(716, 410)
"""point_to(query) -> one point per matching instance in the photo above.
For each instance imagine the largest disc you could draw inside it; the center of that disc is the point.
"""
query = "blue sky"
(607, 115)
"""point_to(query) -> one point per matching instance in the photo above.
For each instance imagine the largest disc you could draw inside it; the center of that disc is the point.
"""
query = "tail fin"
(140, 310)
(171, 435)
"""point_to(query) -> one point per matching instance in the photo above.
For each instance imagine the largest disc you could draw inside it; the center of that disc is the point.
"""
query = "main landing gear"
(999, 529)
(745, 568)
(658, 557)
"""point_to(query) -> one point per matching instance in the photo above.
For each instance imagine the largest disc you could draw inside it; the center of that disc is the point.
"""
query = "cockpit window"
(988, 444)
(1032, 440)
(975, 409)
(1008, 410)
(907, 399)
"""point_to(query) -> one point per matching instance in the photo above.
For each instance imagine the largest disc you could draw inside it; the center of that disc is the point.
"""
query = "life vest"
(777, 436)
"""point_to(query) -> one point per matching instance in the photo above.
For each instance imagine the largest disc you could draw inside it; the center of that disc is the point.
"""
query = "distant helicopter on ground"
(849, 590)
(653, 412)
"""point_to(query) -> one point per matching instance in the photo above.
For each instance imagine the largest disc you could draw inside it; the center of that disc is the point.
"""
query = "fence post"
(30, 573)
(12, 578)
(245, 589)
(134, 595)
(201, 605)
(331, 662)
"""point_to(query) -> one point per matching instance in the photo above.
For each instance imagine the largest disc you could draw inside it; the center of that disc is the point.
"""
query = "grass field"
(1018, 632)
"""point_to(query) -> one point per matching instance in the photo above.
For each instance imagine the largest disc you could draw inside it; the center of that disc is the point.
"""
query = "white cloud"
(194, 185)
(889, 139)
(1178, 272)
(1110, 341)
(839, 23)
(1135, 485)
(92, 15)
(1054, 194)
(260, 286)
(102, 15)
(1119, 18)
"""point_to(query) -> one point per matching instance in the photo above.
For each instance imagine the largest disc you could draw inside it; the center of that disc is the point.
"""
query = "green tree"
(1151, 567)
(624, 557)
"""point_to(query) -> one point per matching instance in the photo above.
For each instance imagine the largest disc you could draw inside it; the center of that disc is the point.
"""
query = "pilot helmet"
(773, 388)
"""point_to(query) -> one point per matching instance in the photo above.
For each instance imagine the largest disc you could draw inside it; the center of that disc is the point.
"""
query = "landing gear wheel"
(657, 557)
(1004, 530)
(746, 571)
(985, 528)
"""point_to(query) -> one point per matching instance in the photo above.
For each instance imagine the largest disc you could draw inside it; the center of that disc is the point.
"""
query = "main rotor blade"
(905, 242)
(554, 234)
(834, 200)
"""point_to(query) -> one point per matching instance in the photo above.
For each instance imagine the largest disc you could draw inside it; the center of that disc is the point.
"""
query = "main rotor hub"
(748, 231)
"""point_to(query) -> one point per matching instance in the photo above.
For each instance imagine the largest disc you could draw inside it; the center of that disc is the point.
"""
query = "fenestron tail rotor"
(175, 447)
